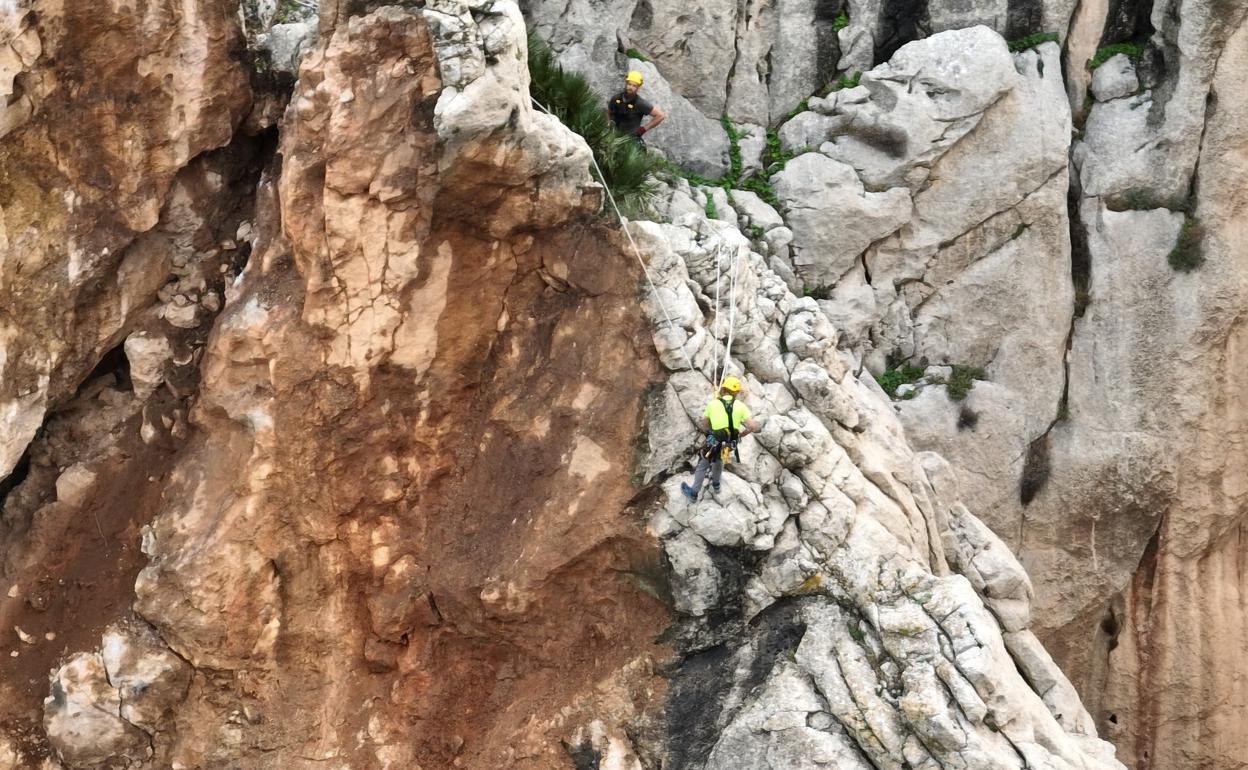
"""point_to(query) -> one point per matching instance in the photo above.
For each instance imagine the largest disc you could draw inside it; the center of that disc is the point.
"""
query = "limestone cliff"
(1062, 229)
(342, 426)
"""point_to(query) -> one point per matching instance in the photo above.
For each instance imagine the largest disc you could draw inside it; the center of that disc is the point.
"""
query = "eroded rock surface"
(70, 210)
(862, 609)
(335, 430)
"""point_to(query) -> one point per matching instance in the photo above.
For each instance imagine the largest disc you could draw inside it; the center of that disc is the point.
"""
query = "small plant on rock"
(840, 22)
(1132, 50)
(817, 292)
(1189, 251)
(710, 209)
(761, 186)
(962, 380)
(843, 82)
(892, 378)
(1032, 41)
(633, 53)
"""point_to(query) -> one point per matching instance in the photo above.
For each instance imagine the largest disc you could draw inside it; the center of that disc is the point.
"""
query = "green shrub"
(817, 292)
(890, 379)
(962, 380)
(855, 633)
(757, 232)
(1189, 251)
(1110, 51)
(633, 53)
(626, 167)
(841, 22)
(773, 160)
(1031, 41)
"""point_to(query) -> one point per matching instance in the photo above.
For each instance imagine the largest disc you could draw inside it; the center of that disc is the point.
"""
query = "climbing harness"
(725, 441)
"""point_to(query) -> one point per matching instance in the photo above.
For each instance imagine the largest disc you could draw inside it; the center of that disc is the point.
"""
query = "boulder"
(819, 195)
(286, 44)
(754, 211)
(149, 356)
(1115, 79)
(149, 678)
(82, 717)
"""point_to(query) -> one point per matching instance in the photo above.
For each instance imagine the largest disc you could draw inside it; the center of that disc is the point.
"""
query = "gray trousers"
(716, 468)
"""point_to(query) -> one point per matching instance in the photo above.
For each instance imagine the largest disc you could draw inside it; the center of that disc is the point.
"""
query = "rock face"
(70, 211)
(338, 429)
(867, 617)
(471, 345)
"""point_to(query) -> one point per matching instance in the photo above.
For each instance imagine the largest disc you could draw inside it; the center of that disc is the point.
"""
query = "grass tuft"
(962, 380)
(892, 378)
(1031, 41)
(1103, 55)
(633, 53)
(843, 82)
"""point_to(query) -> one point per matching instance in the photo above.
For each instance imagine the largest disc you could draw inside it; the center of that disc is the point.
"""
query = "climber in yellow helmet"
(725, 420)
(627, 109)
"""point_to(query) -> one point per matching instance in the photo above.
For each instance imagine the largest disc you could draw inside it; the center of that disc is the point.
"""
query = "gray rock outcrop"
(880, 608)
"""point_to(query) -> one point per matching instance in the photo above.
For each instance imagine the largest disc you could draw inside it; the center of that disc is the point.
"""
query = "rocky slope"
(335, 430)
(946, 216)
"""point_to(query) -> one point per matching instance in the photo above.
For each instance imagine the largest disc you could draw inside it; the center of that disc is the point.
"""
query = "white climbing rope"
(636, 251)
(719, 259)
(732, 317)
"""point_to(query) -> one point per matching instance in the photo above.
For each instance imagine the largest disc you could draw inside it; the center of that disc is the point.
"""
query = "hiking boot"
(688, 491)
(714, 489)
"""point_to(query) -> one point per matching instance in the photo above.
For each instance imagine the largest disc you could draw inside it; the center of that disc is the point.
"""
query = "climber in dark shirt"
(627, 109)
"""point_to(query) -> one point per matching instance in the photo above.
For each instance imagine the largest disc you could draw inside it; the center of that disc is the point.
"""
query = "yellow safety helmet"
(634, 77)
(731, 384)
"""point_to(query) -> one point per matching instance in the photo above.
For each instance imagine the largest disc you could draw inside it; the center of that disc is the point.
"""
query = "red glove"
(641, 130)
